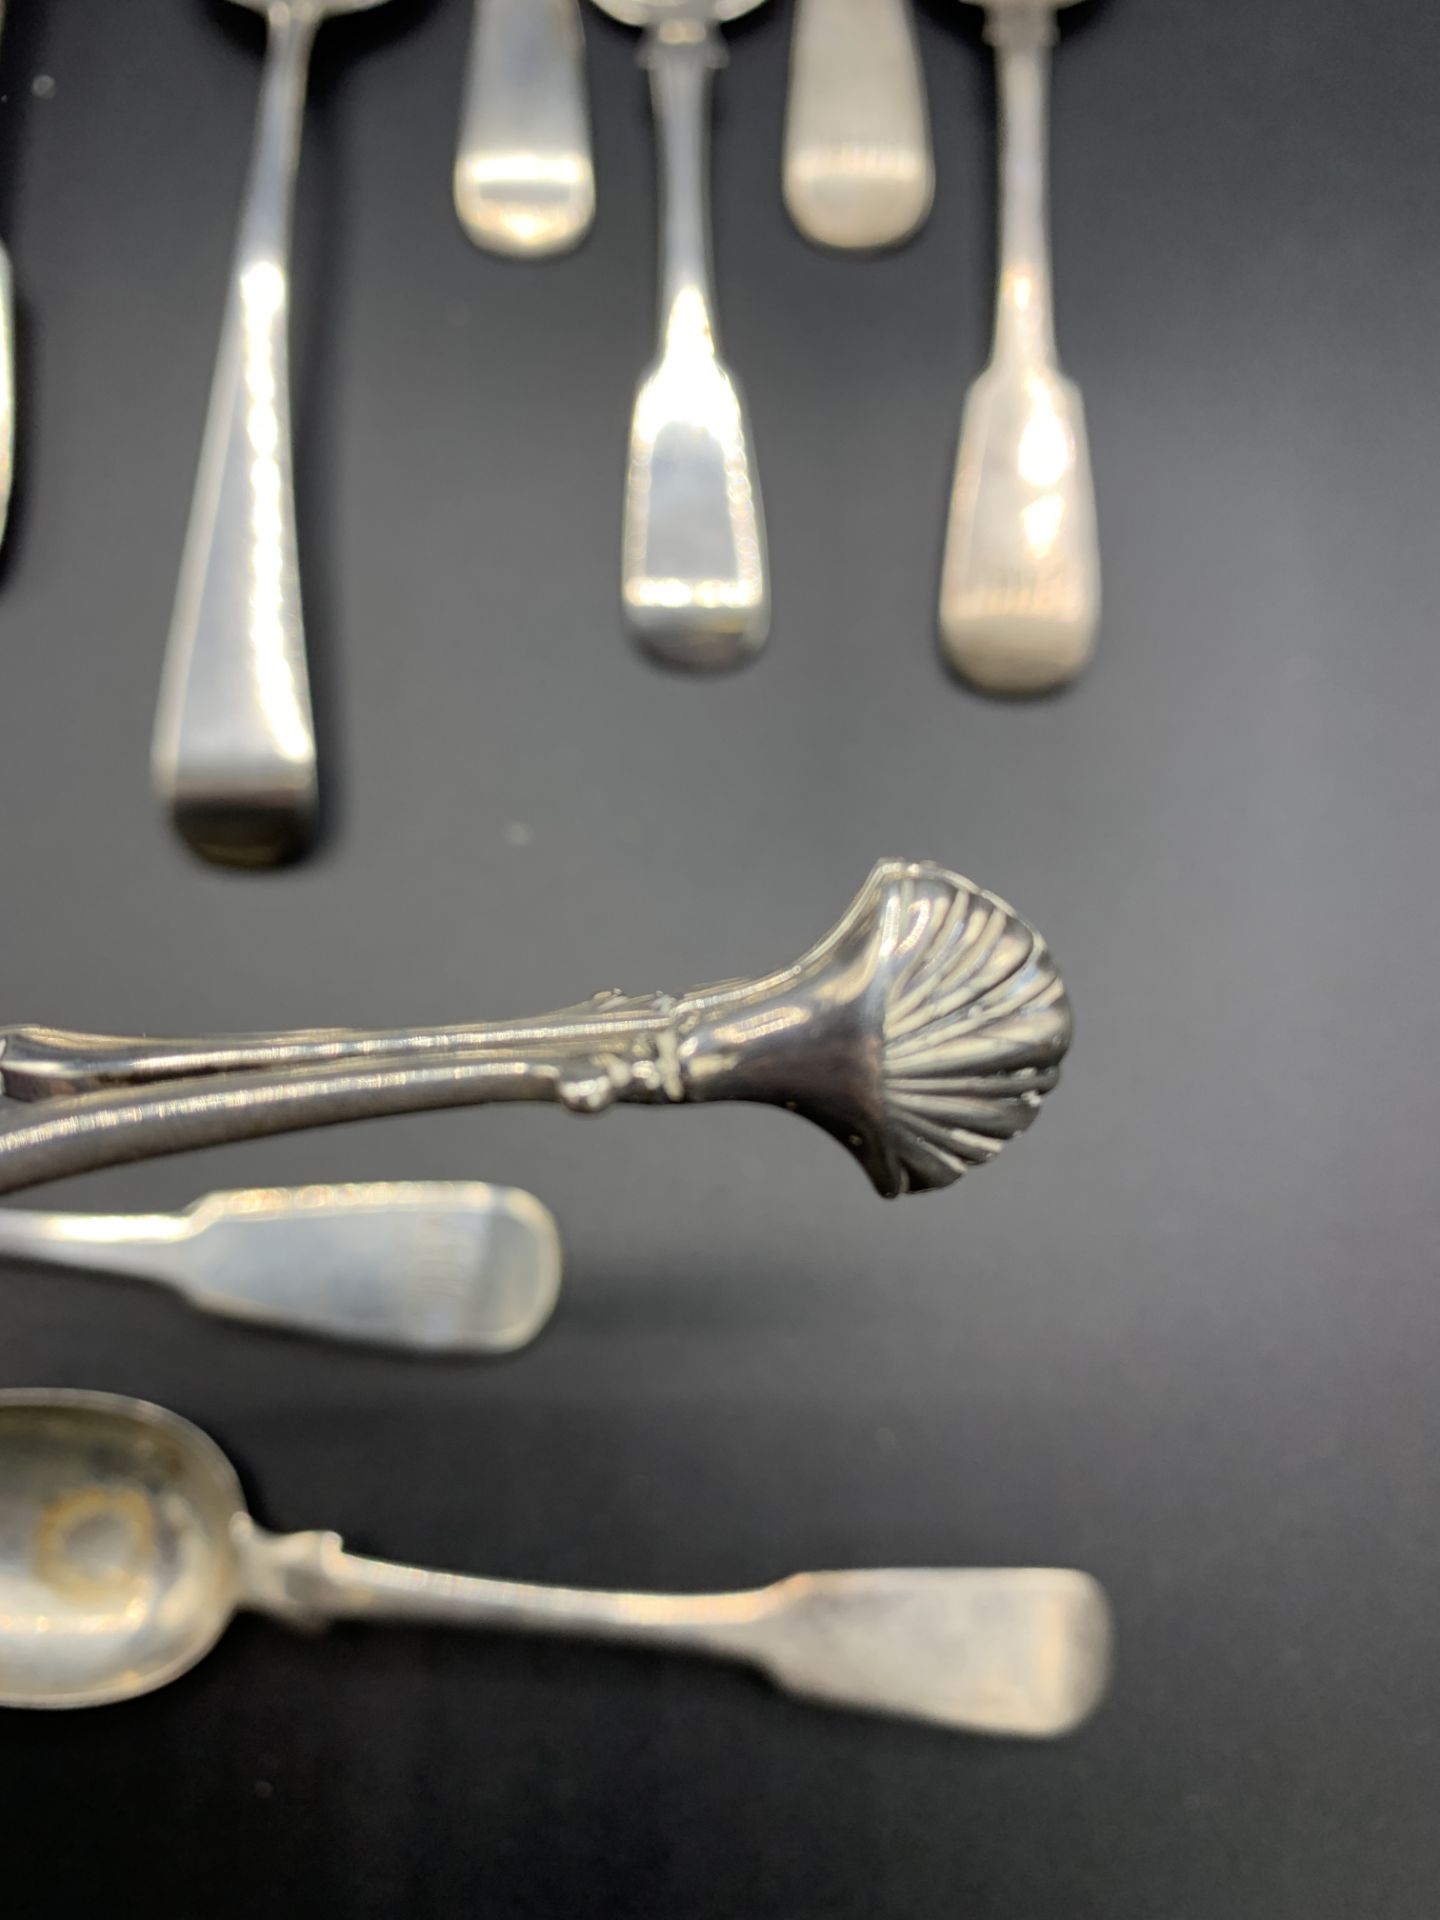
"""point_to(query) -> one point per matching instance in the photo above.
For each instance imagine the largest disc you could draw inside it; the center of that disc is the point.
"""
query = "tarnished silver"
(234, 753)
(126, 1549)
(1020, 591)
(858, 167)
(425, 1266)
(524, 176)
(693, 575)
(922, 1032)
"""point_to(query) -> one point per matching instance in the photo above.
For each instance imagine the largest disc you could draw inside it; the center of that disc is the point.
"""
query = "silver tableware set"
(923, 1032)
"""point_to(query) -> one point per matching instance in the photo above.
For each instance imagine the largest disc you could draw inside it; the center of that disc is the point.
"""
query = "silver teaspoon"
(234, 753)
(858, 169)
(524, 177)
(694, 569)
(126, 1548)
(429, 1267)
(1020, 592)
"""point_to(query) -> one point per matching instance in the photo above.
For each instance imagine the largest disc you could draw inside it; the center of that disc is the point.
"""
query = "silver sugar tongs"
(922, 1032)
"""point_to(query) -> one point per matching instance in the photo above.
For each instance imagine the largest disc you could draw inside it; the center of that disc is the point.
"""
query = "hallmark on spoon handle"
(234, 753)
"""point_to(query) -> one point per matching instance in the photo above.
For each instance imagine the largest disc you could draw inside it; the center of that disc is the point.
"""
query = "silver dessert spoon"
(126, 1549)
(1020, 591)
(694, 580)
(424, 1266)
(234, 754)
(858, 169)
(524, 177)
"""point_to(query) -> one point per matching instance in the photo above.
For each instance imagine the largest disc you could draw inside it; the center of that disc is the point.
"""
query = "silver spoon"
(694, 570)
(234, 753)
(524, 177)
(1020, 592)
(431, 1267)
(126, 1548)
(858, 169)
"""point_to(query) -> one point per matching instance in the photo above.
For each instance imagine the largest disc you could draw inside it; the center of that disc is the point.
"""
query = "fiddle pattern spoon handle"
(1017, 1651)
(420, 1266)
(524, 177)
(694, 566)
(234, 754)
(858, 169)
(1020, 594)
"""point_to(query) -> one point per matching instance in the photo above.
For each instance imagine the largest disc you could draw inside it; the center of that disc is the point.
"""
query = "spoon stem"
(234, 754)
(132, 1244)
(681, 65)
(1024, 323)
(350, 1586)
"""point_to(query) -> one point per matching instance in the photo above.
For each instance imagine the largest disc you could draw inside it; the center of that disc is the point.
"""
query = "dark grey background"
(1185, 1336)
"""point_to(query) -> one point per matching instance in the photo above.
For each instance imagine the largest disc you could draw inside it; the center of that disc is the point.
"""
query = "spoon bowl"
(118, 1563)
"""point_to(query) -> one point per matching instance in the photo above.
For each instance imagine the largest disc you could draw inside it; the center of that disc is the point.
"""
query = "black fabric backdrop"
(1184, 1336)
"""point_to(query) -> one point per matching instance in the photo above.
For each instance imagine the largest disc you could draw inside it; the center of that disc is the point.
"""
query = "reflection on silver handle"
(235, 743)
(922, 1032)
(432, 1267)
(1018, 1651)
(7, 388)
(694, 545)
(524, 179)
(858, 166)
(1020, 596)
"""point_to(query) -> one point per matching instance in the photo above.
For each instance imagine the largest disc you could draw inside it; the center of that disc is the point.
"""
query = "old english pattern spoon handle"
(1020, 596)
(1020, 1651)
(858, 168)
(235, 742)
(524, 178)
(694, 579)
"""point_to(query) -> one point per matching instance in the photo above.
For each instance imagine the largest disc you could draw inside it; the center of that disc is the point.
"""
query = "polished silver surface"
(524, 175)
(922, 1032)
(1020, 590)
(7, 386)
(424, 1266)
(234, 752)
(126, 1548)
(693, 573)
(858, 168)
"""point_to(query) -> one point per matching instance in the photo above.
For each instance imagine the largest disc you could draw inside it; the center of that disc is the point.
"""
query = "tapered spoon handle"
(1019, 1651)
(858, 169)
(234, 753)
(524, 177)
